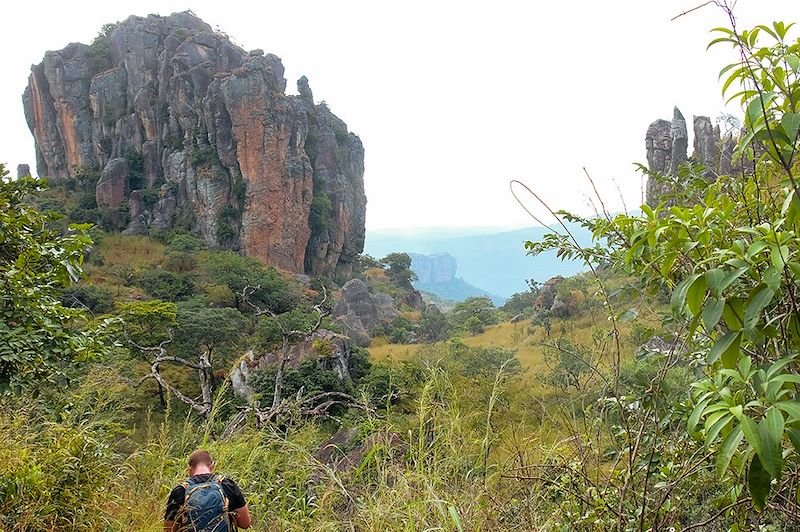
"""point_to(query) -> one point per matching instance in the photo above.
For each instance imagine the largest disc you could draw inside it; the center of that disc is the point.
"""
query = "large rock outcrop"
(435, 268)
(667, 143)
(249, 167)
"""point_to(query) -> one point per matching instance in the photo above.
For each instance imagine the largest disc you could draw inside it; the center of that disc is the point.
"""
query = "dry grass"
(529, 341)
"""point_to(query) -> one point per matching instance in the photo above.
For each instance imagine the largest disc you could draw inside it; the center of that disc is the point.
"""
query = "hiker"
(205, 502)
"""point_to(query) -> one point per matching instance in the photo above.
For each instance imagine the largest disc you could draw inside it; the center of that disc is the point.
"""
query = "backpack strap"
(225, 502)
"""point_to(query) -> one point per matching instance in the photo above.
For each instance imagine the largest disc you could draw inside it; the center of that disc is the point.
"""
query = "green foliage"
(268, 332)
(522, 302)
(400, 272)
(568, 364)
(202, 155)
(100, 50)
(38, 334)
(95, 299)
(181, 252)
(307, 376)
(237, 272)
(165, 284)
(433, 325)
(728, 253)
(212, 329)
(148, 322)
(53, 476)
(87, 178)
(474, 314)
(136, 179)
(319, 218)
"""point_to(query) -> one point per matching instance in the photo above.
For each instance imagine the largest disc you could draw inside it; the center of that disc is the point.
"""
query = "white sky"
(452, 99)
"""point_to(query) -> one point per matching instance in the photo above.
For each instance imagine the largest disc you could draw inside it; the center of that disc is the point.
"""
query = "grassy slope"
(528, 341)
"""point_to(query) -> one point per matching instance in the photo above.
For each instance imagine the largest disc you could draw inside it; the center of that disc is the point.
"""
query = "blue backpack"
(205, 506)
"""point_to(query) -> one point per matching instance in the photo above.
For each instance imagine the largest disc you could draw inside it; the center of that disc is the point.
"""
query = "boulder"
(112, 187)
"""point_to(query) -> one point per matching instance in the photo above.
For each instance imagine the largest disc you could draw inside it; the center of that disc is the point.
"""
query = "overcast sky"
(452, 99)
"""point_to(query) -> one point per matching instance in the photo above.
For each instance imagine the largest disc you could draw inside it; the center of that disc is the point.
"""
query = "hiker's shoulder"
(226, 480)
(177, 492)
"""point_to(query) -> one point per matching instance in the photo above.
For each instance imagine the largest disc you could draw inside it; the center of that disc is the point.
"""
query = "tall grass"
(446, 475)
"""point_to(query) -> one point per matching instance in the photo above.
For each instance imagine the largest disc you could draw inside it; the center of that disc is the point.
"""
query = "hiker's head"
(200, 462)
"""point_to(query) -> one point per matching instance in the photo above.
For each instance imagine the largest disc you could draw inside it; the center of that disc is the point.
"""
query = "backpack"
(205, 506)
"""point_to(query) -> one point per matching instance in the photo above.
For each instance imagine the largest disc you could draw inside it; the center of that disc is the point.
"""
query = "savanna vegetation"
(659, 394)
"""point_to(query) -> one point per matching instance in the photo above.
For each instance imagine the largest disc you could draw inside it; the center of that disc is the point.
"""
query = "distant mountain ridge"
(496, 262)
(436, 273)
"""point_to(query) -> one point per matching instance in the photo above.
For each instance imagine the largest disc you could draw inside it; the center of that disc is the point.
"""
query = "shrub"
(97, 299)
(165, 284)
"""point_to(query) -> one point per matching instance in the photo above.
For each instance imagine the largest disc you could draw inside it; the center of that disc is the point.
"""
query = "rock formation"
(667, 144)
(208, 130)
(335, 357)
(23, 170)
(435, 268)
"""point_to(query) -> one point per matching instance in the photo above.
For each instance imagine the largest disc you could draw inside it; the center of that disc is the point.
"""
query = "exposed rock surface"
(547, 294)
(23, 170)
(435, 268)
(667, 144)
(356, 311)
(252, 168)
(341, 452)
(113, 184)
(334, 356)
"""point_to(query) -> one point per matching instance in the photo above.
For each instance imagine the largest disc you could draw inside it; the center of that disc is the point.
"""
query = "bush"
(237, 272)
(53, 476)
(312, 379)
(97, 299)
(166, 285)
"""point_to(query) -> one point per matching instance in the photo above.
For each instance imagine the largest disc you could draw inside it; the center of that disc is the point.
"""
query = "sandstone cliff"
(189, 128)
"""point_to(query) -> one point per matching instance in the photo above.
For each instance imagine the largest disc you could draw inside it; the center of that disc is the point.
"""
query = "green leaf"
(751, 433)
(695, 295)
(759, 299)
(794, 437)
(733, 313)
(790, 407)
(794, 62)
(714, 424)
(732, 276)
(758, 483)
(694, 417)
(728, 449)
(779, 256)
(791, 125)
(771, 430)
(714, 280)
(678, 298)
(726, 347)
(712, 312)
(772, 278)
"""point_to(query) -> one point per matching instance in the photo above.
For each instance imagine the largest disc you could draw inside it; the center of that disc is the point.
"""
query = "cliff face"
(435, 268)
(190, 129)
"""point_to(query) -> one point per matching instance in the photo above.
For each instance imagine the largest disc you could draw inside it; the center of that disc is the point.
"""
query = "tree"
(400, 272)
(474, 314)
(39, 337)
(729, 256)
